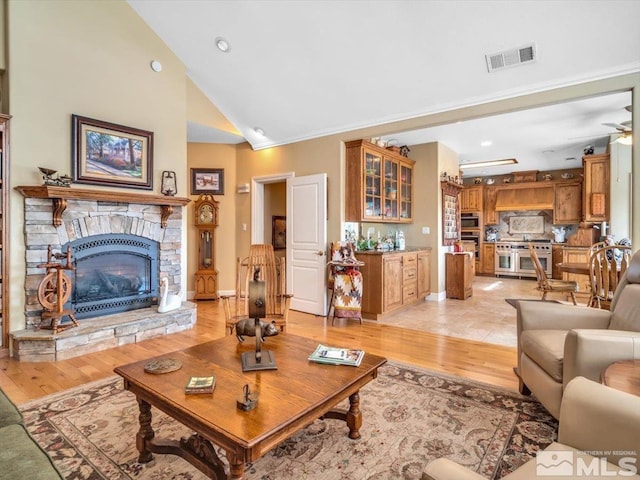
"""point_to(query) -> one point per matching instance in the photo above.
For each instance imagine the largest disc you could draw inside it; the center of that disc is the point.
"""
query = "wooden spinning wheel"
(55, 289)
(49, 288)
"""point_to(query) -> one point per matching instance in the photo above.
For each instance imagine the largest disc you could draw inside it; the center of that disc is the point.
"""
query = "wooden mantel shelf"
(60, 195)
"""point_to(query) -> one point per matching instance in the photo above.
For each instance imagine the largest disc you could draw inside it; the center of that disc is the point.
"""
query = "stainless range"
(513, 258)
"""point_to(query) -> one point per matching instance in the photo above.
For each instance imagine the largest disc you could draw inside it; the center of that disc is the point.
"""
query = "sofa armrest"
(597, 418)
(445, 469)
(536, 315)
(587, 352)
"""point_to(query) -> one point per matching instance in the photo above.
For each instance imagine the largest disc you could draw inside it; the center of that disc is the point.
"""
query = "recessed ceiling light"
(223, 44)
(259, 131)
(486, 143)
(156, 66)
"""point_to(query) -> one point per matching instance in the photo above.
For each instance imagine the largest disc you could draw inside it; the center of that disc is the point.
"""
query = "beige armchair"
(594, 419)
(557, 343)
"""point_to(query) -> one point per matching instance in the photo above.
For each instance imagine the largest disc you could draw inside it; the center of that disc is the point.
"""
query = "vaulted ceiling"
(303, 69)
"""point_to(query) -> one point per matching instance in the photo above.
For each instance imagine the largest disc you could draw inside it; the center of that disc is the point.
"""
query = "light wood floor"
(473, 359)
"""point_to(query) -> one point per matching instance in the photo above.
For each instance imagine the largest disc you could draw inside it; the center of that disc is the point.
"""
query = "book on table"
(337, 356)
(197, 385)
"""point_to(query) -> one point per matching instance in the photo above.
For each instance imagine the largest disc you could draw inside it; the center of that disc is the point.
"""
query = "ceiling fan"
(624, 130)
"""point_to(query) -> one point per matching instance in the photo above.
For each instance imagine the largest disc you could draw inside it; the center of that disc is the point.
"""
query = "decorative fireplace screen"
(113, 273)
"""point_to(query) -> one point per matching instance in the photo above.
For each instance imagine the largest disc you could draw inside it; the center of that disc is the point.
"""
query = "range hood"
(517, 198)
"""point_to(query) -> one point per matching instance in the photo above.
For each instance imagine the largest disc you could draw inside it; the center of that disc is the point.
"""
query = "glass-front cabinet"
(379, 184)
(373, 184)
(406, 192)
(390, 189)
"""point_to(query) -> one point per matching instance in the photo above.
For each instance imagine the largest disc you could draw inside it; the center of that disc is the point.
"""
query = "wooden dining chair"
(547, 285)
(272, 272)
(606, 267)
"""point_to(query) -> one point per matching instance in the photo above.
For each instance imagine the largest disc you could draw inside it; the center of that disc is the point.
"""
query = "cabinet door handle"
(320, 253)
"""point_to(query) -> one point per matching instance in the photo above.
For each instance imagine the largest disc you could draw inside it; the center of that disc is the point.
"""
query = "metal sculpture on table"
(258, 360)
(55, 289)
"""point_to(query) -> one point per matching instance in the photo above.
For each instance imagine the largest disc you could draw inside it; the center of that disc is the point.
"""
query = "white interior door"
(307, 242)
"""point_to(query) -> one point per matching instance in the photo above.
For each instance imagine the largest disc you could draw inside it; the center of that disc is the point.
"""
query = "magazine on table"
(337, 356)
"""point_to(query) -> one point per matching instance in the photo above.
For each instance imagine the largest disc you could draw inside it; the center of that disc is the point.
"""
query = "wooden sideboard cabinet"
(471, 198)
(379, 184)
(393, 280)
(459, 275)
(595, 189)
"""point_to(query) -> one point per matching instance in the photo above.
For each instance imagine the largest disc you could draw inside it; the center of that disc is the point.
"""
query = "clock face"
(206, 214)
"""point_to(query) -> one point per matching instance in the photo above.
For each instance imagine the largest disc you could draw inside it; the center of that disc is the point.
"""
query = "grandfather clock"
(206, 221)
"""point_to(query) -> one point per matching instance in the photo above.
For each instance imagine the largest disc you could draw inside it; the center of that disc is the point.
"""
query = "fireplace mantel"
(60, 195)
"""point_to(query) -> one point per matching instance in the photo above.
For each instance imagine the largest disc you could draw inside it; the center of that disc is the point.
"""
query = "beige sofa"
(558, 342)
(594, 418)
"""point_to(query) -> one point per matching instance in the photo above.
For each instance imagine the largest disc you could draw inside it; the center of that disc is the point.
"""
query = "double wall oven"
(514, 259)
(470, 230)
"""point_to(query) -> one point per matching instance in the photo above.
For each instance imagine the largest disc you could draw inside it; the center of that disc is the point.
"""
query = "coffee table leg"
(145, 433)
(354, 416)
(236, 466)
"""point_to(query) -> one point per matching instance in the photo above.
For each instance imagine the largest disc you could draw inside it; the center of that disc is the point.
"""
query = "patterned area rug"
(410, 416)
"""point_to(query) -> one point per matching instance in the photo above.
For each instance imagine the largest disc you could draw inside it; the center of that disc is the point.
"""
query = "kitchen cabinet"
(393, 280)
(491, 216)
(595, 188)
(378, 184)
(488, 257)
(409, 278)
(471, 199)
(424, 274)
(577, 255)
(459, 275)
(567, 203)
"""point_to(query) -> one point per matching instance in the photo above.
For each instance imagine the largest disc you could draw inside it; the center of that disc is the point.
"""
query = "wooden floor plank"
(488, 363)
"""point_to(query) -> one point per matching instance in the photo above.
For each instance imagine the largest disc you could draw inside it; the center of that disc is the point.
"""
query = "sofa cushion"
(9, 414)
(626, 315)
(546, 348)
(23, 458)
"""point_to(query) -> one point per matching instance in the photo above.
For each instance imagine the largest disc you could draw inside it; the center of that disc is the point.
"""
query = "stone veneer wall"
(84, 218)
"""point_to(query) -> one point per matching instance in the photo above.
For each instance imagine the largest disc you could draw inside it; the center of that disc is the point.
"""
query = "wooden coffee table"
(290, 398)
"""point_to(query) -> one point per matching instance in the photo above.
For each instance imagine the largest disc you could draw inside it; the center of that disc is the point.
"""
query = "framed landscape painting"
(207, 180)
(109, 154)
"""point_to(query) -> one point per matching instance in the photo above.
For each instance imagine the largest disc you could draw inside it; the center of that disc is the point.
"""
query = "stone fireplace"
(113, 273)
(122, 245)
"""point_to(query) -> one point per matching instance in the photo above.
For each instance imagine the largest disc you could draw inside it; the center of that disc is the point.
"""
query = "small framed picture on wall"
(207, 180)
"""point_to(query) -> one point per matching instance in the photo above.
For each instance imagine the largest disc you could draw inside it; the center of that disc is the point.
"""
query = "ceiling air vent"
(511, 58)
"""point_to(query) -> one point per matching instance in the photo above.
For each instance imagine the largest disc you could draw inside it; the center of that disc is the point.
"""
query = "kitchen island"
(393, 280)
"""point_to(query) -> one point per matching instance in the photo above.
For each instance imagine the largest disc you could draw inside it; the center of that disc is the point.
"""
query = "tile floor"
(485, 316)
